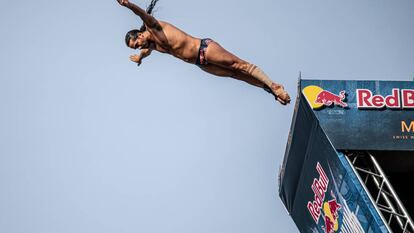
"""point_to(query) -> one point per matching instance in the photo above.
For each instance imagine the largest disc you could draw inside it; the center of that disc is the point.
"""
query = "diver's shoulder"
(163, 23)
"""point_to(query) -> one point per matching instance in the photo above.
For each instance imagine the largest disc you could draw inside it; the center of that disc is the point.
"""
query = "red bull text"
(403, 98)
(319, 188)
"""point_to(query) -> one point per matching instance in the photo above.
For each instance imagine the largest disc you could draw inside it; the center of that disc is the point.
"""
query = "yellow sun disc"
(311, 92)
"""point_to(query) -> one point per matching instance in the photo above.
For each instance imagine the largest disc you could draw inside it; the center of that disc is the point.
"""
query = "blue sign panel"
(364, 115)
(318, 186)
(332, 200)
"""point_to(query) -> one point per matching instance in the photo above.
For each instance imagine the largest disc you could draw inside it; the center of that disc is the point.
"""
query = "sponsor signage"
(336, 201)
(366, 99)
(317, 185)
(398, 99)
(319, 188)
(330, 210)
(364, 115)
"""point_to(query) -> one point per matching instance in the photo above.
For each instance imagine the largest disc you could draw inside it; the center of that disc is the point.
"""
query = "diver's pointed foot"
(280, 93)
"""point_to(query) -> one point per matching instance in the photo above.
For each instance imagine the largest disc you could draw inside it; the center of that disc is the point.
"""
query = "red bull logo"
(328, 98)
(317, 97)
(329, 225)
(398, 99)
(330, 211)
(319, 188)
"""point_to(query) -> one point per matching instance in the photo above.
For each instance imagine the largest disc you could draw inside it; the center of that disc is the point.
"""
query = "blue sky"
(89, 142)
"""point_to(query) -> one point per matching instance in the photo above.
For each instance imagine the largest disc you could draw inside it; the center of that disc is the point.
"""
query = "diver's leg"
(223, 72)
(219, 56)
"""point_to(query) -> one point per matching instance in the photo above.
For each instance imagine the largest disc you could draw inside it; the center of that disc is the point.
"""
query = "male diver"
(205, 53)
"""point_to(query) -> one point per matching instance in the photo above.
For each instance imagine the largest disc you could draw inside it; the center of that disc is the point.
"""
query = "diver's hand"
(136, 58)
(123, 2)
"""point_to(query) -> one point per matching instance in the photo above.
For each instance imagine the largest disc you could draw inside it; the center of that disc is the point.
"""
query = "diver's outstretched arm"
(148, 19)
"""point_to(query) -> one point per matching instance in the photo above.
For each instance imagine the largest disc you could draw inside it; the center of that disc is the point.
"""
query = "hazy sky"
(89, 142)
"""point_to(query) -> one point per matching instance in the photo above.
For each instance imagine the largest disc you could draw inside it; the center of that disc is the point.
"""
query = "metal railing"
(382, 193)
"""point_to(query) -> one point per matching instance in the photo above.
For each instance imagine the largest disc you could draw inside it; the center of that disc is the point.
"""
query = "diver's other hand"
(135, 58)
(123, 2)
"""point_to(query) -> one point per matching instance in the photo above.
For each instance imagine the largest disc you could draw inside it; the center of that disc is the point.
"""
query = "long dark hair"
(133, 34)
(149, 11)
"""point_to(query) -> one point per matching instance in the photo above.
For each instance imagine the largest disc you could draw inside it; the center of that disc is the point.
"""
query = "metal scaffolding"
(381, 192)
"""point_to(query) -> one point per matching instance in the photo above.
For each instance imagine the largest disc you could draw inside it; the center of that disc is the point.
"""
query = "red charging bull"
(331, 209)
(334, 207)
(328, 98)
(329, 225)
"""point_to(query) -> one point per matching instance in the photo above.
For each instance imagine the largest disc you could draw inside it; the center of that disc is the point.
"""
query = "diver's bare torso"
(169, 39)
